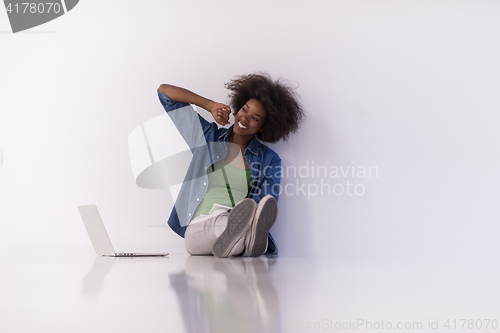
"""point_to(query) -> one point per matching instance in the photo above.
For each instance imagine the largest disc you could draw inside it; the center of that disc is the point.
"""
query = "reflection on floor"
(213, 294)
(181, 293)
(227, 295)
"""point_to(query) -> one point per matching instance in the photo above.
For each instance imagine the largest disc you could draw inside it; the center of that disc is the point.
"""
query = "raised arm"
(219, 111)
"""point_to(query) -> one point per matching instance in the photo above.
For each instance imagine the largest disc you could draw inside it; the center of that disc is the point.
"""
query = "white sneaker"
(265, 216)
(239, 220)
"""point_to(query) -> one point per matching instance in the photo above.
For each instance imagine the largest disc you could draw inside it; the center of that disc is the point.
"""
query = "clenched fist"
(221, 113)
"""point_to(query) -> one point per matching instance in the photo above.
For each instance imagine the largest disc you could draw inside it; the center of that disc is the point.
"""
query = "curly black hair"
(283, 112)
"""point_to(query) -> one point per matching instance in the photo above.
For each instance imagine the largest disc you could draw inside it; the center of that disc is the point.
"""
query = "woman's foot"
(265, 216)
(239, 220)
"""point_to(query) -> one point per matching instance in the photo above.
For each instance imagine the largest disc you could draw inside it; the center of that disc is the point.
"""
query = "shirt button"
(197, 199)
(205, 168)
(204, 183)
(189, 214)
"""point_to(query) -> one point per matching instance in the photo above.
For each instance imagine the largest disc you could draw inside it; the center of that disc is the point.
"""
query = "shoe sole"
(239, 220)
(265, 216)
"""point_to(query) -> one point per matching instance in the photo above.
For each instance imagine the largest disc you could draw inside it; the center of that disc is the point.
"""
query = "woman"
(231, 171)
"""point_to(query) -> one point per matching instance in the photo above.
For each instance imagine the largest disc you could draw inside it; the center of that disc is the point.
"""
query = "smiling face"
(249, 119)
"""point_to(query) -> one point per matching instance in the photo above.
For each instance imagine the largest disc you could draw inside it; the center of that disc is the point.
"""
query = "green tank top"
(218, 191)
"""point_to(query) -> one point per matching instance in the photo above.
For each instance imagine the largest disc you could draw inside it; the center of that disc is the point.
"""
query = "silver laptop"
(99, 236)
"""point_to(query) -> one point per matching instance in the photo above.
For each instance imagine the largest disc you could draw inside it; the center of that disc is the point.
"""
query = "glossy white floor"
(48, 290)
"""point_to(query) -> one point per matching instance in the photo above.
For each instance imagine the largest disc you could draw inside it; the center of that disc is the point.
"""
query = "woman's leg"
(265, 216)
(243, 233)
(232, 240)
(203, 231)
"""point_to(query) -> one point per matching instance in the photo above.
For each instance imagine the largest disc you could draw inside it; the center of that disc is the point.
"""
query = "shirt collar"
(254, 146)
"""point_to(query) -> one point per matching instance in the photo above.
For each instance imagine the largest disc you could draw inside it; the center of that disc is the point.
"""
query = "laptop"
(99, 236)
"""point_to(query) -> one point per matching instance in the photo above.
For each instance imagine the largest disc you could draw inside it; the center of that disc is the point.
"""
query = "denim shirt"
(208, 143)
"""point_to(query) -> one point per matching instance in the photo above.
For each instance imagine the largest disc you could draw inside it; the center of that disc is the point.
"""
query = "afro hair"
(283, 112)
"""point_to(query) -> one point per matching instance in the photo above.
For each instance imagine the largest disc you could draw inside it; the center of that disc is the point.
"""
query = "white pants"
(203, 231)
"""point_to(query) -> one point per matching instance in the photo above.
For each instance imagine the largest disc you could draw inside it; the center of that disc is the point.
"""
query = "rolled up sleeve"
(188, 122)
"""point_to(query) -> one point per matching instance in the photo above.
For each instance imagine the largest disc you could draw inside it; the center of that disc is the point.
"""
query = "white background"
(408, 86)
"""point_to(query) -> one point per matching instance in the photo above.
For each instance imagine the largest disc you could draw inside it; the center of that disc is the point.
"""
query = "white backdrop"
(407, 87)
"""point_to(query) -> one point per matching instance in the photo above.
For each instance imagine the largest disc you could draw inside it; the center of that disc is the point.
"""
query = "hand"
(221, 113)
